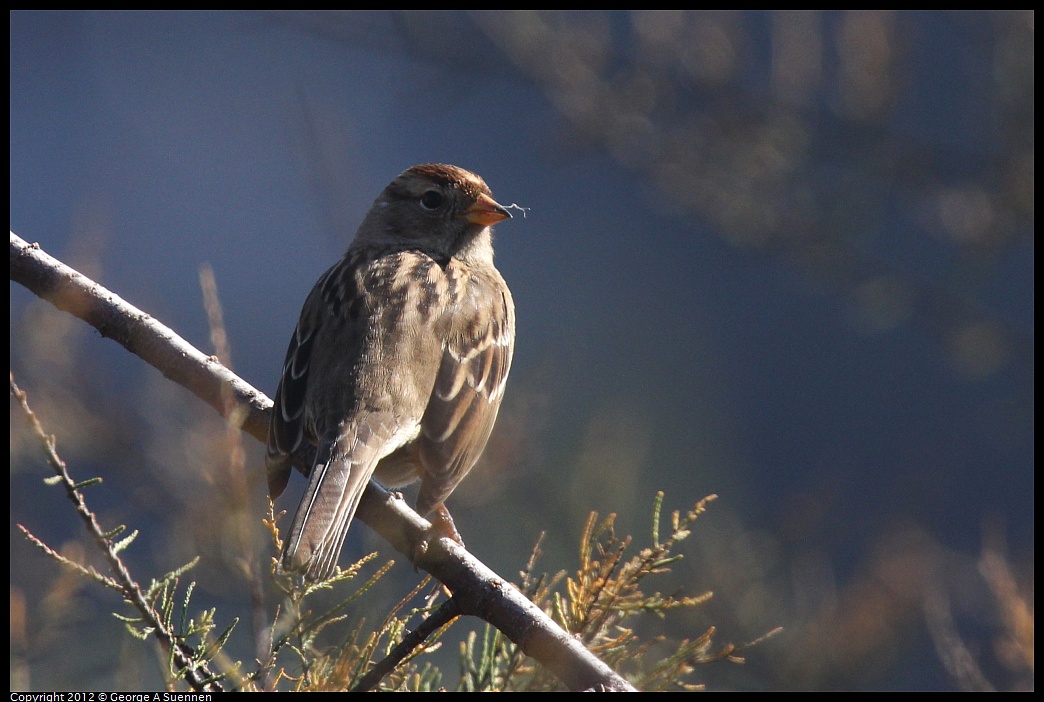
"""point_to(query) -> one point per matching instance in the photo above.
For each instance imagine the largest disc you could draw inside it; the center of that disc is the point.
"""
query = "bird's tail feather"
(343, 466)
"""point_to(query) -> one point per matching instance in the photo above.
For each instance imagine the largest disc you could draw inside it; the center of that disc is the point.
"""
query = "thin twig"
(197, 674)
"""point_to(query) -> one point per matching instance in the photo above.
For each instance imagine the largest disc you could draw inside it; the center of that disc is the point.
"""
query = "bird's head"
(440, 209)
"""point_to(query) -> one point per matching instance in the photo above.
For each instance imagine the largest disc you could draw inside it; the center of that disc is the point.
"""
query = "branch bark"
(478, 590)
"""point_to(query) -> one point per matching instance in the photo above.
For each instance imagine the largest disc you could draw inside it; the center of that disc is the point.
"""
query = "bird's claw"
(442, 526)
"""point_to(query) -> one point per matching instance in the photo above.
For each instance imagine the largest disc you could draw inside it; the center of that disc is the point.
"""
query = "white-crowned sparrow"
(398, 364)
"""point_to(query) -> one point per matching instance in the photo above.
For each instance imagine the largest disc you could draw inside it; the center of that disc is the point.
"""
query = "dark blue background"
(816, 302)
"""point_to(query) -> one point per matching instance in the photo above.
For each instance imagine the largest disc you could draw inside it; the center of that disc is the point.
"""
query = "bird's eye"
(432, 200)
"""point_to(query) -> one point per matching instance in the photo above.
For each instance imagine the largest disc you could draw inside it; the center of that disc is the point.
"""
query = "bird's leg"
(441, 526)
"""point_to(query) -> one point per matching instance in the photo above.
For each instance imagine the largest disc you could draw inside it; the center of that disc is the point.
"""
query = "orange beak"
(485, 211)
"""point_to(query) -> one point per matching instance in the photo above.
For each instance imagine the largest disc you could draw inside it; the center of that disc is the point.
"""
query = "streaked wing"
(469, 387)
(336, 391)
(286, 430)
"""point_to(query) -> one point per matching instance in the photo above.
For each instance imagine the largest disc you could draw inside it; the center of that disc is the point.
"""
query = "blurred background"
(782, 257)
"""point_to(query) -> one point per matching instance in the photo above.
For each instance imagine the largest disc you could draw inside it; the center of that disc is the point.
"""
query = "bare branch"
(477, 589)
(439, 619)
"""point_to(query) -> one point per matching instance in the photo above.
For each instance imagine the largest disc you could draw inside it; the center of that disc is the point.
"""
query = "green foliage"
(341, 666)
(600, 604)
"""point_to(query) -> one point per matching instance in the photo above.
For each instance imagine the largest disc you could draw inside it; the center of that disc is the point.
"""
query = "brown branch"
(478, 590)
(439, 619)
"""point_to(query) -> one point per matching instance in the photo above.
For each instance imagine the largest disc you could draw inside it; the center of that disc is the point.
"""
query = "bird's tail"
(343, 466)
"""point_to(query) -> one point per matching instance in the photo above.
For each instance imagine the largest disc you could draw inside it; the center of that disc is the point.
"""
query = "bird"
(398, 364)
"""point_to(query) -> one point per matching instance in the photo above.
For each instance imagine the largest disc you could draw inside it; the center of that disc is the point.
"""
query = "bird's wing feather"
(469, 387)
(341, 400)
(287, 427)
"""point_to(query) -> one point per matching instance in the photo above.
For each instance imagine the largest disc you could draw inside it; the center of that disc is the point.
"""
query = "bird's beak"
(485, 211)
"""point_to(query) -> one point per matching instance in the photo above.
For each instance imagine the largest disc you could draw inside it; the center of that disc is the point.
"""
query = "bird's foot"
(442, 526)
